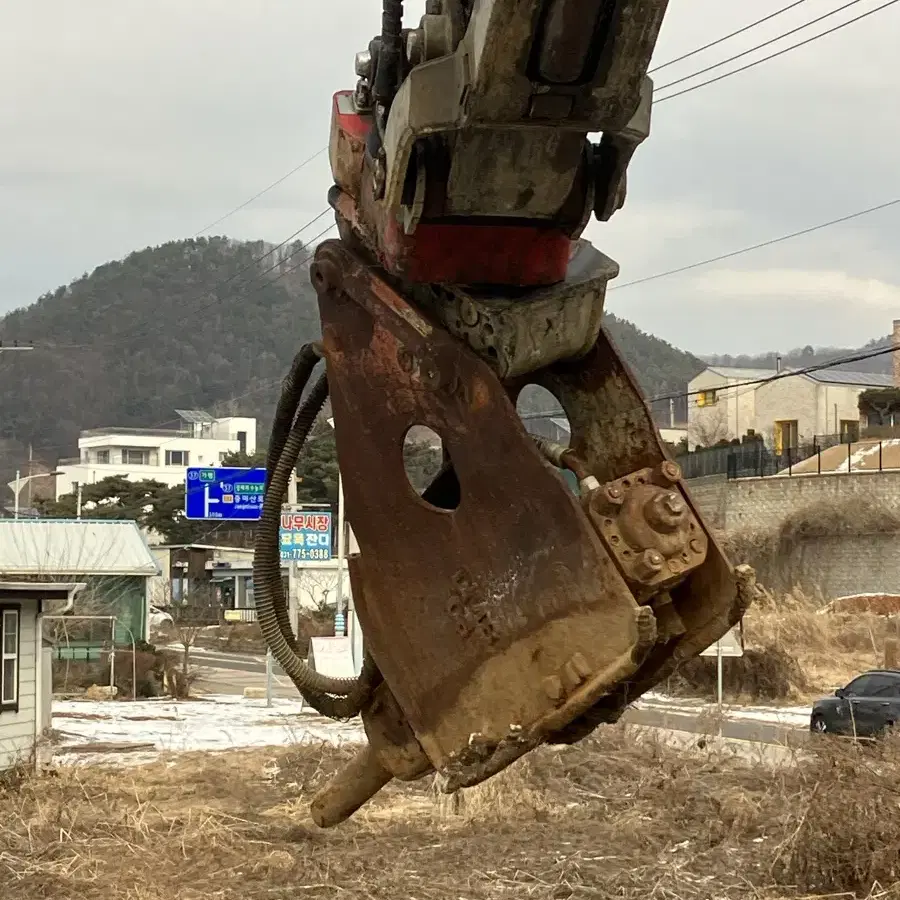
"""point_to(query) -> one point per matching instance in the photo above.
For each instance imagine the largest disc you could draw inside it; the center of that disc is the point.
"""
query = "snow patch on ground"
(792, 716)
(216, 723)
(226, 722)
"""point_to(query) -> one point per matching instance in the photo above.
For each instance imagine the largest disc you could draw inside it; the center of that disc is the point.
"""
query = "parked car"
(869, 706)
(161, 623)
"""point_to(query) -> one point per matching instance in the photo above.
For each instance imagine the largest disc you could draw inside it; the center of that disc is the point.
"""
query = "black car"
(867, 707)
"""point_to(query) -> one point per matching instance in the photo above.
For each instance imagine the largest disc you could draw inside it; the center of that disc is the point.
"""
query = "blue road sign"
(305, 536)
(220, 493)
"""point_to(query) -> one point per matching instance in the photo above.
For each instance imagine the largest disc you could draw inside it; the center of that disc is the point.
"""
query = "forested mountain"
(809, 356)
(189, 324)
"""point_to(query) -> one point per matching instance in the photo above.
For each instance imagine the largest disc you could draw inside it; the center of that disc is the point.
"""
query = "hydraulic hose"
(270, 600)
(292, 389)
(291, 392)
(387, 76)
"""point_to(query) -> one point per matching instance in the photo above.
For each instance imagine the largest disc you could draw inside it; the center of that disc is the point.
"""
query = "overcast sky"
(127, 123)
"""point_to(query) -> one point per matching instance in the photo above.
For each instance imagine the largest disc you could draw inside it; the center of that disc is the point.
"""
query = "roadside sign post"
(269, 676)
(719, 680)
(339, 619)
(218, 492)
(304, 535)
(731, 644)
(293, 586)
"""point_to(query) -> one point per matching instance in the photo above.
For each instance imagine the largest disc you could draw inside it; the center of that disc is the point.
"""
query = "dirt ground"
(609, 818)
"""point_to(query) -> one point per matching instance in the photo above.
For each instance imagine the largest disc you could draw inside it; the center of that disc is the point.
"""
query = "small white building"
(25, 688)
(160, 454)
(111, 557)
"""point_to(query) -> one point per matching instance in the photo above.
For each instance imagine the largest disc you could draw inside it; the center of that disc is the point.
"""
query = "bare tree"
(198, 608)
(318, 587)
(709, 426)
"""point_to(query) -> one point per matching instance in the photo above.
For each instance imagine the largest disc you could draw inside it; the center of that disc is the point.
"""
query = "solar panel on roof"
(195, 416)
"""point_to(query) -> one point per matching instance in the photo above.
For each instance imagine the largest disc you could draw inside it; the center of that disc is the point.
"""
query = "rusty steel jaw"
(501, 610)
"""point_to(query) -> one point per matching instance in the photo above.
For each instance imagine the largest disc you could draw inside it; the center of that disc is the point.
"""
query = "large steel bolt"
(579, 666)
(468, 312)
(326, 275)
(363, 64)
(666, 511)
(553, 687)
(649, 564)
(670, 471)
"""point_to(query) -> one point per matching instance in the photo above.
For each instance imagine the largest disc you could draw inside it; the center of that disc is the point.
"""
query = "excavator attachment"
(499, 609)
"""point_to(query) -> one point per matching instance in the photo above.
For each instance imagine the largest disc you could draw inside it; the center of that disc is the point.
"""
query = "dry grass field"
(613, 817)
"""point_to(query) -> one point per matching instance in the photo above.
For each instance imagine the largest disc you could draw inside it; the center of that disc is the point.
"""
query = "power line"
(781, 52)
(793, 373)
(773, 40)
(778, 376)
(254, 262)
(769, 243)
(265, 190)
(239, 290)
(732, 34)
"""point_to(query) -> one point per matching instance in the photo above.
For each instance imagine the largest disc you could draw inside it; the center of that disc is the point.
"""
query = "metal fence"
(865, 456)
(753, 458)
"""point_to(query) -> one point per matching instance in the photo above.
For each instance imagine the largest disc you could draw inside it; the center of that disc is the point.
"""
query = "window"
(707, 398)
(103, 457)
(874, 686)
(242, 441)
(135, 457)
(177, 458)
(9, 658)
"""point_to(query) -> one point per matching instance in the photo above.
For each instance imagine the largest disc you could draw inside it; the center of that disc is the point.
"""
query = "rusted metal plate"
(613, 432)
(503, 613)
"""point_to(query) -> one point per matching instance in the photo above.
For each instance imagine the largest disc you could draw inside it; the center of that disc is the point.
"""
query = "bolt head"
(363, 63)
(671, 471)
(674, 504)
(649, 564)
(553, 687)
(468, 312)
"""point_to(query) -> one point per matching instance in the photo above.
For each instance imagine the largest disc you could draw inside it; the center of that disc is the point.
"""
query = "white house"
(726, 402)
(722, 403)
(25, 689)
(161, 454)
(794, 410)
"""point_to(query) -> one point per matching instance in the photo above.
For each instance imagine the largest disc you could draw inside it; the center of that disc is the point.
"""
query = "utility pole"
(30, 472)
(340, 614)
(293, 600)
